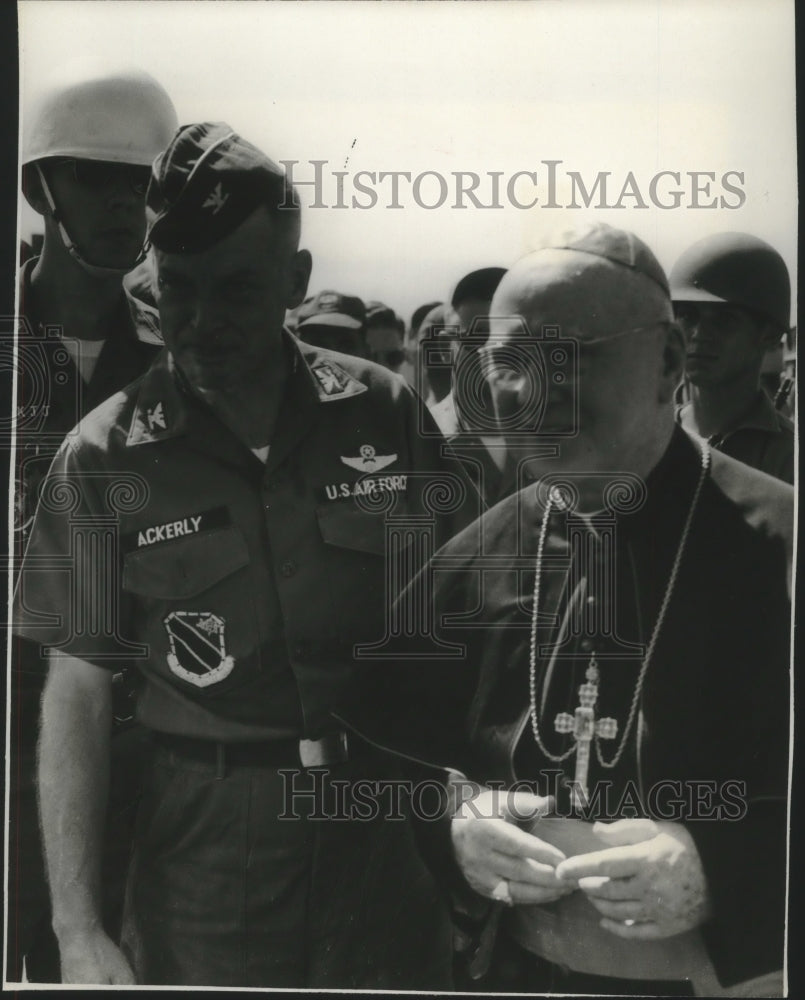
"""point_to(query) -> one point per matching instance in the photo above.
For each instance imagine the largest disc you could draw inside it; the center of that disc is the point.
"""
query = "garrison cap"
(330, 308)
(205, 184)
(615, 245)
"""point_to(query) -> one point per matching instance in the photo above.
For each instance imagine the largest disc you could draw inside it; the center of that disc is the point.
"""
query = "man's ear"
(770, 336)
(32, 189)
(673, 362)
(301, 266)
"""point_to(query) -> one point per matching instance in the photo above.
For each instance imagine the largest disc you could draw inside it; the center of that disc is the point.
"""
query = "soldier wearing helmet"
(96, 137)
(86, 152)
(731, 294)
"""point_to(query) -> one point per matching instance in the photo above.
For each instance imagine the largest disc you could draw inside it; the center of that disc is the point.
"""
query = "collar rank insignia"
(334, 382)
(368, 460)
(197, 647)
(216, 199)
(156, 418)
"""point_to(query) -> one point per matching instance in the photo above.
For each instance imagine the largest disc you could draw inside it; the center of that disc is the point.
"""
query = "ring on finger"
(502, 892)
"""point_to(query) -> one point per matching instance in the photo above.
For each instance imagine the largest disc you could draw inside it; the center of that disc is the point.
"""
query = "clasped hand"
(647, 881)
(648, 884)
(492, 850)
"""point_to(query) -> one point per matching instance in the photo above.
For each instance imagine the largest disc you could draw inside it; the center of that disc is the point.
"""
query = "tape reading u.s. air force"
(181, 527)
(364, 486)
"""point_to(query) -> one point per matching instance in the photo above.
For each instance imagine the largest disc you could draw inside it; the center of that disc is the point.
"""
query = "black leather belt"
(330, 749)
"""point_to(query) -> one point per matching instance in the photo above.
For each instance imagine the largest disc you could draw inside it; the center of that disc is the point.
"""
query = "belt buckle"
(329, 749)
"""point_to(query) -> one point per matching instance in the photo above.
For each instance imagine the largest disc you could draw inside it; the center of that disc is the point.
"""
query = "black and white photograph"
(400, 407)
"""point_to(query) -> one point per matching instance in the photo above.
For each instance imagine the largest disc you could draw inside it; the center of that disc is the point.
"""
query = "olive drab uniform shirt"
(51, 395)
(51, 399)
(762, 438)
(239, 588)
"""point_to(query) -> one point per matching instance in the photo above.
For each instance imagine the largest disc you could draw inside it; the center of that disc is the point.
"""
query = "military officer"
(266, 500)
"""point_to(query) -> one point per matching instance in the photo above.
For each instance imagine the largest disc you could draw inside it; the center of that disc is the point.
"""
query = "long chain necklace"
(583, 725)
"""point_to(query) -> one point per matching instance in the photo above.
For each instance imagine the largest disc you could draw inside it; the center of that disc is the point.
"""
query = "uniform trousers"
(225, 892)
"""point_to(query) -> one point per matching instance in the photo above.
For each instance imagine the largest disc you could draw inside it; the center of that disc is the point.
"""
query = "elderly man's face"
(598, 414)
(601, 412)
(222, 310)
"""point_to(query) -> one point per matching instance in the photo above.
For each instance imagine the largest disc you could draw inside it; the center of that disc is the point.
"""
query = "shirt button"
(591, 599)
(288, 568)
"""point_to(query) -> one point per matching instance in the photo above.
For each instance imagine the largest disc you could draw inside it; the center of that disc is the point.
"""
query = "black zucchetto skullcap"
(615, 245)
(205, 184)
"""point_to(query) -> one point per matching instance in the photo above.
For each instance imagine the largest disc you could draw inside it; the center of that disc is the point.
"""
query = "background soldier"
(732, 295)
(434, 363)
(87, 151)
(465, 416)
(384, 336)
(409, 367)
(333, 321)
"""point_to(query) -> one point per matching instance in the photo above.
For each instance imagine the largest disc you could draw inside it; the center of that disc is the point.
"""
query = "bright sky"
(600, 85)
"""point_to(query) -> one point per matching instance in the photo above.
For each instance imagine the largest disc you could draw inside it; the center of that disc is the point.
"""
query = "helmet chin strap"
(96, 270)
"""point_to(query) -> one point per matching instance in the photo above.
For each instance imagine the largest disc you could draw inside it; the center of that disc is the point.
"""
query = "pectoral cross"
(585, 727)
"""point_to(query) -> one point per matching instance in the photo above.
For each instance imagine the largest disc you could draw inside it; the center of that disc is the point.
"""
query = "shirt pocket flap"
(187, 566)
(349, 527)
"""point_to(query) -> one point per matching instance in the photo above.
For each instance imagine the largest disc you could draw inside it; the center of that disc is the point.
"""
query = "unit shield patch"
(197, 647)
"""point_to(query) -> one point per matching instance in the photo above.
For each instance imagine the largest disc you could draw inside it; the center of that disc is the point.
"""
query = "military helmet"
(737, 268)
(119, 118)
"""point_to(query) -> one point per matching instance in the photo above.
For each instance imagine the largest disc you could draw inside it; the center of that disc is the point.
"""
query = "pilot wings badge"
(368, 460)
